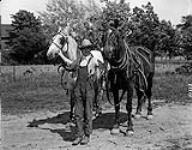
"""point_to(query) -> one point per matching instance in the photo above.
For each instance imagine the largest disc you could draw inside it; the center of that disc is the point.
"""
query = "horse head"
(63, 45)
(66, 47)
(115, 48)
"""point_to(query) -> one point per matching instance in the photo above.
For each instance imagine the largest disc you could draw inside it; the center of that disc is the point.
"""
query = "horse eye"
(62, 41)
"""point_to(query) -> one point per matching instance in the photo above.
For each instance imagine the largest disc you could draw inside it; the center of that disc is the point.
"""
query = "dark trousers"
(98, 94)
(83, 103)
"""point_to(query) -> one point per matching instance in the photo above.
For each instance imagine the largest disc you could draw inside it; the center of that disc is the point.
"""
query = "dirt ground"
(170, 129)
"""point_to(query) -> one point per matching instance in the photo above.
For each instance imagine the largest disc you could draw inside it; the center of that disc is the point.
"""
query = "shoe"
(77, 141)
(85, 140)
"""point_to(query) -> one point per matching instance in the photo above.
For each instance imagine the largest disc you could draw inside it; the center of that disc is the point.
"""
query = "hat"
(86, 43)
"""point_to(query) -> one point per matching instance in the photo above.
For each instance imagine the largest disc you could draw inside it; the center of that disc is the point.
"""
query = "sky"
(171, 10)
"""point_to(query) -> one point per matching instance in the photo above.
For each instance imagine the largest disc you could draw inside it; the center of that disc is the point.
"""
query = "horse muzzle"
(51, 56)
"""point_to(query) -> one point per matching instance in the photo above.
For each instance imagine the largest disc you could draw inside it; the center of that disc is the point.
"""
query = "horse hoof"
(129, 132)
(115, 131)
(72, 124)
(149, 117)
(124, 124)
(137, 116)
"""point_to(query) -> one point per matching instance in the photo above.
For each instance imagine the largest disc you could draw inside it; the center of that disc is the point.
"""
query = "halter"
(122, 62)
(63, 54)
(62, 46)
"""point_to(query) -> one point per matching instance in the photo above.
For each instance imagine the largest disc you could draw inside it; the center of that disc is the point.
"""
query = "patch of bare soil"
(170, 129)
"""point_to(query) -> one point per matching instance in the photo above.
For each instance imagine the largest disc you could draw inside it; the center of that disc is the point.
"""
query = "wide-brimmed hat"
(85, 44)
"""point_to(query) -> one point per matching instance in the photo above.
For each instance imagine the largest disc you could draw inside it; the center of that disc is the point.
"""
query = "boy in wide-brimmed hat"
(83, 102)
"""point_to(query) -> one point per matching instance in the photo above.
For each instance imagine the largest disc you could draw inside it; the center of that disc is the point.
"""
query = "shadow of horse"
(68, 132)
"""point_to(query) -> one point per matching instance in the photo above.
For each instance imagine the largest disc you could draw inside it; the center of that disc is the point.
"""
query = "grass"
(44, 92)
(172, 87)
(33, 94)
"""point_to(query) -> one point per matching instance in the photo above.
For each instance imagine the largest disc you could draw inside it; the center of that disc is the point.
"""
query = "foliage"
(27, 38)
(148, 30)
(63, 13)
(42, 90)
(186, 35)
(146, 27)
(169, 39)
(116, 14)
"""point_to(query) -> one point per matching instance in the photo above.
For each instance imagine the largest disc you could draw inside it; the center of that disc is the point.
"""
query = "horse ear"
(59, 29)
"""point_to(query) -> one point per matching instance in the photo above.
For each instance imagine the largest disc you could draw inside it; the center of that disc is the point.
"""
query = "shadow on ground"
(68, 133)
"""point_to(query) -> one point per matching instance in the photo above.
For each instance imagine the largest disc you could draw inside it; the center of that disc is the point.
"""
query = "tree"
(146, 31)
(144, 23)
(27, 38)
(113, 14)
(62, 13)
(170, 39)
(186, 36)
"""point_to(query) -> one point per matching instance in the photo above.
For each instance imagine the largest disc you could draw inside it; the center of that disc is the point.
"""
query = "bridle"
(122, 62)
(62, 53)
(62, 46)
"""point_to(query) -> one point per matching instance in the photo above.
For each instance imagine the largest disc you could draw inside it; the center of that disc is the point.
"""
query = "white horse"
(66, 47)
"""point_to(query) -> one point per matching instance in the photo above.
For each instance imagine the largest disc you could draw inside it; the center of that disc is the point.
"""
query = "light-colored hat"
(86, 43)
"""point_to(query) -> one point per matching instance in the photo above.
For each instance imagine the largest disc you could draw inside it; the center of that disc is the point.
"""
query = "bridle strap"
(60, 48)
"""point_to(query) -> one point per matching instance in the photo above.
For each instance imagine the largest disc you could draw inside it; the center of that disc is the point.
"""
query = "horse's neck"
(72, 49)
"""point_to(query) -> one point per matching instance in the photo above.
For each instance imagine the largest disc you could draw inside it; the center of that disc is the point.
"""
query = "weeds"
(44, 92)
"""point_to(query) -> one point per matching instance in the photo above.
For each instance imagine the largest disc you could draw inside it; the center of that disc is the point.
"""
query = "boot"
(85, 140)
(77, 141)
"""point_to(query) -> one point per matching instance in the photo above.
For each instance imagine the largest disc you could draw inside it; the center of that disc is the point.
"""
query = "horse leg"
(95, 99)
(141, 99)
(99, 99)
(115, 129)
(72, 103)
(129, 108)
(148, 94)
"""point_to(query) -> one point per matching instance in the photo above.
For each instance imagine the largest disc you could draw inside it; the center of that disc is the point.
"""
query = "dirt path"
(170, 129)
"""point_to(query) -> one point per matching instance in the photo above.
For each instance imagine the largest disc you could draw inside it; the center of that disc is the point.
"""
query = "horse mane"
(133, 59)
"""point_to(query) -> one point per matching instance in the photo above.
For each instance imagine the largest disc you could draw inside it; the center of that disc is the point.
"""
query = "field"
(35, 98)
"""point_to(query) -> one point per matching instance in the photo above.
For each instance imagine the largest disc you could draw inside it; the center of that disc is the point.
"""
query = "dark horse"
(130, 68)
